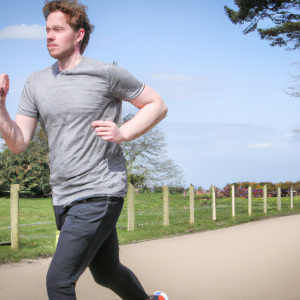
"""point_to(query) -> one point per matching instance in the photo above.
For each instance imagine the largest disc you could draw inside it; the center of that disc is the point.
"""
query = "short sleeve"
(122, 84)
(27, 106)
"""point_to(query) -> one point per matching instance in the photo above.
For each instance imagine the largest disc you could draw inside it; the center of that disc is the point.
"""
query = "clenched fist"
(4, 86)
(109, 131)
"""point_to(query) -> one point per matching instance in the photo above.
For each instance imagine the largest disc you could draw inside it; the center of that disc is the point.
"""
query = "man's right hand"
(4, 86)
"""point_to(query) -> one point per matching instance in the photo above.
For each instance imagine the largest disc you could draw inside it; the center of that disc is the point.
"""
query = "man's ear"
(81, 33)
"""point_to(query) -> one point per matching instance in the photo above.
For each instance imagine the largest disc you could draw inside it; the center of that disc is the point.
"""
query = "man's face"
(61, 38)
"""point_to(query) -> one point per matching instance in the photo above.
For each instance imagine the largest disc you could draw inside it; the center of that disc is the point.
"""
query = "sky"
(230, 118)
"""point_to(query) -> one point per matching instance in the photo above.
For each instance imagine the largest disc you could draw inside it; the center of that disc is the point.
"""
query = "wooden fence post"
(279, 198)
(14, 215)
(130, 199)
(166, 204)
(265, 194)
(250, 200)
(214, 203)
(292, 198)
(233, 200)
(192, 205)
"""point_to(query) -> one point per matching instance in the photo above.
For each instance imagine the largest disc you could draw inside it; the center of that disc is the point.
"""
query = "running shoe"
(159, 296)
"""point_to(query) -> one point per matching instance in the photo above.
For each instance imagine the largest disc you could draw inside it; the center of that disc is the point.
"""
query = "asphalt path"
(253, 261)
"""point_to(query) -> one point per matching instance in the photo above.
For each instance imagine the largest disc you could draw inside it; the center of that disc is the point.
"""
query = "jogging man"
(77, 101)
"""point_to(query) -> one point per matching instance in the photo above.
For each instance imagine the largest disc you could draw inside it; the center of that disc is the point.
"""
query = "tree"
(281, 13)
(147, 160)
(200, 189)
(30, 168)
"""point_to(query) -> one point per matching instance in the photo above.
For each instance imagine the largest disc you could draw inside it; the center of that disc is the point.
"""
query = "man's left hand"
(109, 131)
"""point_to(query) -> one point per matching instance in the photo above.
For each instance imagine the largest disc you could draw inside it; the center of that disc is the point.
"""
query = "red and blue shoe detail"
(160, 296)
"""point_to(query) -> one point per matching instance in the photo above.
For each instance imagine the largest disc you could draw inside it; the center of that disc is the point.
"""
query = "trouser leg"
(109, 272)
(86, 227)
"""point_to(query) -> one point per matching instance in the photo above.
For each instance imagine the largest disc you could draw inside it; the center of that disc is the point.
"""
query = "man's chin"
(55, 55)
(59, 55)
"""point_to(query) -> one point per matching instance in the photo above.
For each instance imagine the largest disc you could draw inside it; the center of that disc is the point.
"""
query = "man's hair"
(75, 15)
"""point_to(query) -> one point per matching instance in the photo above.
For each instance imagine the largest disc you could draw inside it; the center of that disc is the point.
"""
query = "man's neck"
(69, 62)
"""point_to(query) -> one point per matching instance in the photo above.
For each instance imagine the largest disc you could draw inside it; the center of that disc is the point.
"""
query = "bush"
(145, 190)
(176, 190)
(157, 189)
(29, 169)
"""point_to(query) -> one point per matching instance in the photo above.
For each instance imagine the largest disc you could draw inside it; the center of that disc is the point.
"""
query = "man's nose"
(50, 36)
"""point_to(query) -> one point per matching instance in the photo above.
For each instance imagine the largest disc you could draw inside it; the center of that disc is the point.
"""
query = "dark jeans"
(88, 238)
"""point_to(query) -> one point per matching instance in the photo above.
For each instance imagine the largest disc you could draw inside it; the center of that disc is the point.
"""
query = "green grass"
(39, 240)
(35, 240)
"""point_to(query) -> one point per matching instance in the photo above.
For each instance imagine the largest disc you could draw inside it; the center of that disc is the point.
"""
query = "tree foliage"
(30, 168)
(294, 90)
(147, 160)
(282, 13)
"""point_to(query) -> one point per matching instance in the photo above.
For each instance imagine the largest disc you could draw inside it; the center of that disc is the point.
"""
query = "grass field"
(39, 240)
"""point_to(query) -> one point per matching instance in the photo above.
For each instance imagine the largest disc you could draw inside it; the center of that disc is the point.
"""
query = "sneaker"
(159, 296)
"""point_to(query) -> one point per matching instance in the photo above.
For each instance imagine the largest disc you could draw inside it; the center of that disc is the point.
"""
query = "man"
(77, 101)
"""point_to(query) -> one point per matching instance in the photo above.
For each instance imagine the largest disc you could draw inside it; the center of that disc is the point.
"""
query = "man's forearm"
(10, 131)
(152, 110)
(16, 139)
(147, 117)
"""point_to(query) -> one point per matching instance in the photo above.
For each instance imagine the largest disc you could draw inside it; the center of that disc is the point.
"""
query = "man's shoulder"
(93, 67)
(95, 63)
(40, 73)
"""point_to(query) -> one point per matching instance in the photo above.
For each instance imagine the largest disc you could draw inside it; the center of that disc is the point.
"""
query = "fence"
(140, 211)
(26, 222)
(252, 206)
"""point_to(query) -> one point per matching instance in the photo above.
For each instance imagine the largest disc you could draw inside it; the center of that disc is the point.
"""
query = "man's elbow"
(17, 150)
(164, 110)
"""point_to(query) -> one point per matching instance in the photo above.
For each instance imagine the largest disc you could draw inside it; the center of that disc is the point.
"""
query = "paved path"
(254, 261)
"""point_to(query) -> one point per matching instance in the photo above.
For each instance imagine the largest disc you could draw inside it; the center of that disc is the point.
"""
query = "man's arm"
(152, 110)
(18, 134)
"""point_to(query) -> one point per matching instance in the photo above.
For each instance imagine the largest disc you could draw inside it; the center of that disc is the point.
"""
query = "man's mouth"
(51, 45)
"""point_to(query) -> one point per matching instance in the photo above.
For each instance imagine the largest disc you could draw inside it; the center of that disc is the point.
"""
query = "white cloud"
(262, 145)
(287, 135)
(177, 77)
(23, 32)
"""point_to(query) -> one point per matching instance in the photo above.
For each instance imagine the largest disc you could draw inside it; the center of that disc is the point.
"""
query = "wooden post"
(192, 205)
(292, 198)
(166, 205)
(265, 194)
(14, 215)
(250, 200)
(214, 203)
(130, 199)
(233, 200)
(279, 198)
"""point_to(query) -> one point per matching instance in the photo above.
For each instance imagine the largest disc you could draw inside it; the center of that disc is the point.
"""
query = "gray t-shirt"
(82, 165)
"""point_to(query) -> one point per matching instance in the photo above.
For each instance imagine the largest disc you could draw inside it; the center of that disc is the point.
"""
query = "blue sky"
(229, 117)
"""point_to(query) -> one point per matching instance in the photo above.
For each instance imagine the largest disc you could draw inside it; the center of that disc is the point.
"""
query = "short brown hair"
(76, 17)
